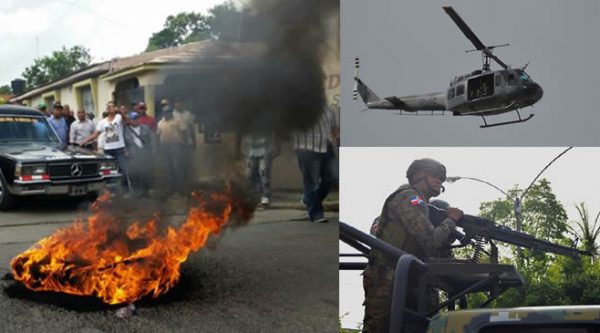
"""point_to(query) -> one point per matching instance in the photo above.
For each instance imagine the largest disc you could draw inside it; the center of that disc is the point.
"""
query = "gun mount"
(413, 276)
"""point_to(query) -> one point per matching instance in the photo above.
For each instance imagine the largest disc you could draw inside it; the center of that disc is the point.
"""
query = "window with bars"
(87, 100)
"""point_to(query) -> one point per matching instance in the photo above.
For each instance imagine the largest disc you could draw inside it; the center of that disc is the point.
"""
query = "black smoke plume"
(283, 88)
(265, 75)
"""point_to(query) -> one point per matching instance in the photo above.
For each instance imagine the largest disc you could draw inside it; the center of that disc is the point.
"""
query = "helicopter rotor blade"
(497, 60)
(464, 28)
(487, 51)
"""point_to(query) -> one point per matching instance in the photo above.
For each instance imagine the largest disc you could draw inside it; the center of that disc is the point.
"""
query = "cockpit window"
(523, 76)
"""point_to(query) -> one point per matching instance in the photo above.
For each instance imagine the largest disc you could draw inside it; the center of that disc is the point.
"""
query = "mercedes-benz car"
(34, 161)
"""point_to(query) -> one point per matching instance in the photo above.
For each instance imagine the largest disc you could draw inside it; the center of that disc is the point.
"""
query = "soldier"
(404, 224)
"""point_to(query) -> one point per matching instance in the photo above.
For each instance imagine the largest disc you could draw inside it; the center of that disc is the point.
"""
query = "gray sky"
(413, 47)
(369, 175)
(109, 28)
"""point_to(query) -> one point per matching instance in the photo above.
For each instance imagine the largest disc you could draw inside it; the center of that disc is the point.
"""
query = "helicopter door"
(512, 81)
(481, 86)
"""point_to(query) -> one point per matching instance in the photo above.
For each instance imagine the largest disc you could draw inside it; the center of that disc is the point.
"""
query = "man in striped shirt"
(315, 149)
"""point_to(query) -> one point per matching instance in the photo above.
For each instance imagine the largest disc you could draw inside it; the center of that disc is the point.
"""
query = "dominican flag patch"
(416, 200)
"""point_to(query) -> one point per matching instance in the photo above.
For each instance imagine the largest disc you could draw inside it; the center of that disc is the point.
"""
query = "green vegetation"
(221, 23)
(5, 90)
(550, 279)
(60, 64)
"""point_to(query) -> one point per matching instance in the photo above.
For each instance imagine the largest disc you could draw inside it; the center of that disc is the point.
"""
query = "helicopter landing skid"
(521, 120)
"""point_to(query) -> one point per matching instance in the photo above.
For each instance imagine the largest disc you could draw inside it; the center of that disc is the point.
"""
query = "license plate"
(77, 190)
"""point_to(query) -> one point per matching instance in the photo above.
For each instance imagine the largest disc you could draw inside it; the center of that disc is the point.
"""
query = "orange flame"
(120, 264)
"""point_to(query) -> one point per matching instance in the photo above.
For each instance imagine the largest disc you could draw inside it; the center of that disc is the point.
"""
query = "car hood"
(32, 152)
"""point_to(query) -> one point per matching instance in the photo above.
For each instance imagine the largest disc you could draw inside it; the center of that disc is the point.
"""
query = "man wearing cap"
(42, 108)
(145, 119)
(59, 123)
(404, 224)
(164, 102)
(139, 141)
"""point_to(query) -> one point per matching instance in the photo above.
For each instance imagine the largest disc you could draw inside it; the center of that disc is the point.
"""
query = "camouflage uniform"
(404, 224)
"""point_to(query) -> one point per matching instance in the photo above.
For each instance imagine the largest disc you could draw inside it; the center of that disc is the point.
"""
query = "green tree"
(225, 21)
(220, 23)
(5, 90)
(60, 64)
(550, 279)
(180, 29)
(543, 216)
(585, 231)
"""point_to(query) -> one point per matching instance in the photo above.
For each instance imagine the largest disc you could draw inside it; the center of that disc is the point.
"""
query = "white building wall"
(105, 90)
(67, 96)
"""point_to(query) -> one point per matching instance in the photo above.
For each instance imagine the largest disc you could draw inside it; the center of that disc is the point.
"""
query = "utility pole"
(517, 200)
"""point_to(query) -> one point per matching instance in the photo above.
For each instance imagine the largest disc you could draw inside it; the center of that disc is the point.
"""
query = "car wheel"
(7, 199)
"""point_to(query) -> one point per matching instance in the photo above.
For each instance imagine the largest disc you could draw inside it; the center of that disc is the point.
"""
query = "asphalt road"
(277, 274)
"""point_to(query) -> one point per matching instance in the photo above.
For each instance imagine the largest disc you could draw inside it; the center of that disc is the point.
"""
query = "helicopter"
(483, 92)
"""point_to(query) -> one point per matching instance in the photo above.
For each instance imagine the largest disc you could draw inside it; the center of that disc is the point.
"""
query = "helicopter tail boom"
(368, 96)
(427, 102)
(371, 100)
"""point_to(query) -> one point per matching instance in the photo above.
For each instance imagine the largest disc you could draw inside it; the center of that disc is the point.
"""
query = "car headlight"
(38, 170)
(108, 166)
(31, 172)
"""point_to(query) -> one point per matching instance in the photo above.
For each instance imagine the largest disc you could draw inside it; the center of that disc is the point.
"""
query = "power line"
(96, 14)
(542, 171)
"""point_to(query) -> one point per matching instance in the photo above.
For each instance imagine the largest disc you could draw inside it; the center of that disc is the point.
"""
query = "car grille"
(64, 170)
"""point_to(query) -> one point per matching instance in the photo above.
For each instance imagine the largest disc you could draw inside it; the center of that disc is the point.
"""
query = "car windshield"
(28, 129)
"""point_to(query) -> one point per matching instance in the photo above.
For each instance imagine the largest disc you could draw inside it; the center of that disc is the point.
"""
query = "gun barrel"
(475, 225)
(490, 230)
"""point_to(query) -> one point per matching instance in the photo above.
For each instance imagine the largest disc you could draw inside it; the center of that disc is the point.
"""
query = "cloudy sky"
(369, 175)
(109, 28)
(413, 47)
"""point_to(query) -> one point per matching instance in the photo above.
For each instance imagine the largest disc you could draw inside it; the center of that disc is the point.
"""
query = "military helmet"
(426, 164)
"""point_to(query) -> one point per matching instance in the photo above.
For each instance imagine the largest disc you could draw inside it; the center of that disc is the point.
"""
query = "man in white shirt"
(81, 129)
(114, 141)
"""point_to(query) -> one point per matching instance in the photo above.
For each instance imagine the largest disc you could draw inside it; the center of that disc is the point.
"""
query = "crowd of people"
(132, 137)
